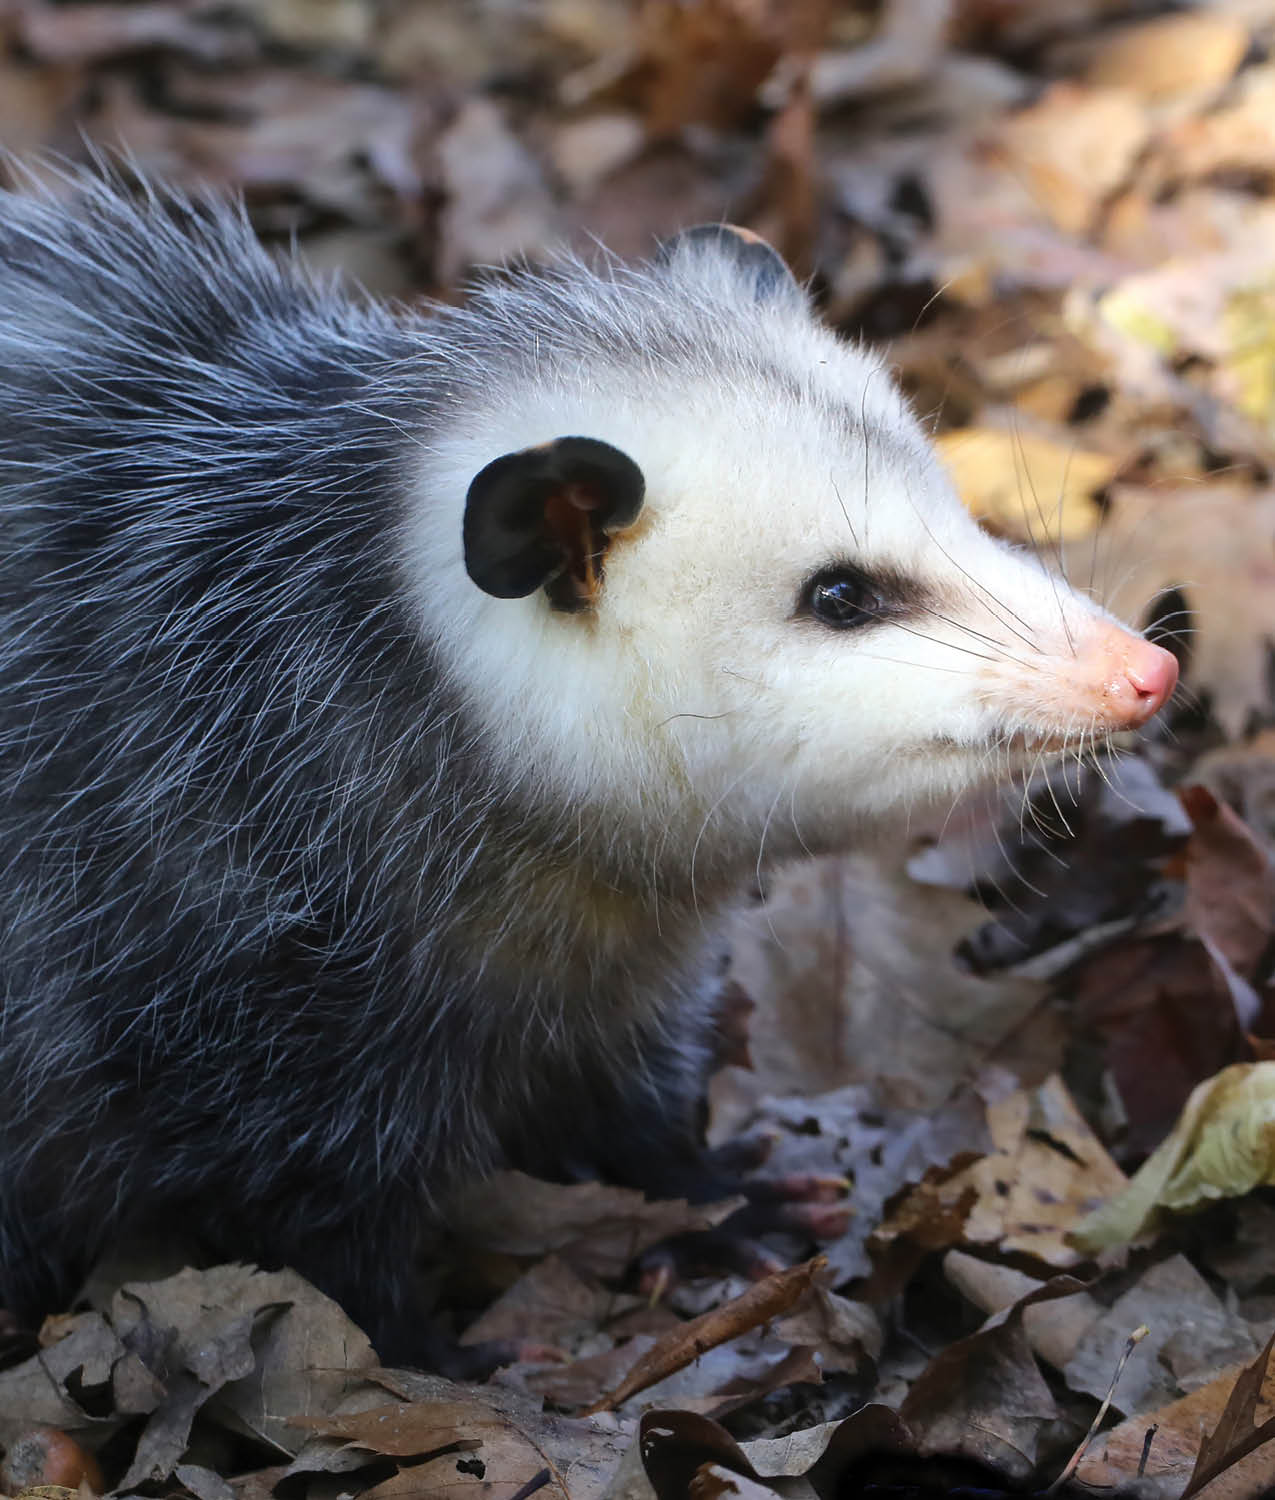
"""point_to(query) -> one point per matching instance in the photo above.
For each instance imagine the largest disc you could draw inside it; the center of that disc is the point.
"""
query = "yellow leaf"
(1024, 485)
(1223, 1146)
(1249, 321)
(1127, 312)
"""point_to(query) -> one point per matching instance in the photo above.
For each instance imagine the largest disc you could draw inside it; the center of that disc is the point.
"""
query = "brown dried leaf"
(734, 1376)
(1170, 55)
(35, 105)
(599, 1229)
(791, 1455)
(1163, 1442)
(1073, 147)
(585, 1453)
(1170, 1440)
(577, 1384)
(1215, 543)
(276, 133)
(1243, 776)
(1046, 888)
(844, 1333)
(204, 1483)
(680, 1346)
(587, 151)
(1020, 23)
(1238, 1431)
(1230, 882)
(197, 1360)
(873, 1429)
(1237, 137)
(306, 1354)
(505, 1472)
(860, 1131)
(851, 965)
(930, 1216)
(659, 192)
(343, 25)
(1046, 1169)
(790, 217)
(63, 34)
(469, 1447)
(34, 1393)
(498, 202)
(1054, 1328)
(411, 1429)
(713, 1482)
(1165, 1014)
(983, 1397)
(676, 1445)
(906, 49)
(466, 43)
(704, 63)
(551, 1304)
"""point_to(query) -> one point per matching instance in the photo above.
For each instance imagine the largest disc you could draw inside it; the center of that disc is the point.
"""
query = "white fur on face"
(698, 685)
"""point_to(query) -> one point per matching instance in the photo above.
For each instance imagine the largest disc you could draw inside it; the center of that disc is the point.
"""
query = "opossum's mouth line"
(1040, 744)
(1021, 743)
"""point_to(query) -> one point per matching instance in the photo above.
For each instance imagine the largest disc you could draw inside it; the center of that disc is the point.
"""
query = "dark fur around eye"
(843, 598)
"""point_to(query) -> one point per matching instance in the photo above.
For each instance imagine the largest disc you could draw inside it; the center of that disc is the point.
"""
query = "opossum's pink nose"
(1113, 680)
(1143, 683)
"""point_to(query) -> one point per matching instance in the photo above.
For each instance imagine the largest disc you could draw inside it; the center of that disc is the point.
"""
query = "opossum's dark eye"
(842, 599)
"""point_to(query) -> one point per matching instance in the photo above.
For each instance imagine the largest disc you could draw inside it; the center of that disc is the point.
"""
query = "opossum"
(391, 702)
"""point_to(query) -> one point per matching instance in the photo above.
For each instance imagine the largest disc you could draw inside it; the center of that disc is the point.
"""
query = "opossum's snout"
(1137, 677)
(1114, 680)
(1108, 680)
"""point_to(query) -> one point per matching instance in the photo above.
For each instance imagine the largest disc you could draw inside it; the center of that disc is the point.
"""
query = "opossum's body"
(329, 875)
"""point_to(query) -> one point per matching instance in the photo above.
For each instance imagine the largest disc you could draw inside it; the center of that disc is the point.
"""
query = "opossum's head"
(690, 558)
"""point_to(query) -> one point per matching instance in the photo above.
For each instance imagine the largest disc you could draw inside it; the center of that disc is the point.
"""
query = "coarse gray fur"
(254, 839)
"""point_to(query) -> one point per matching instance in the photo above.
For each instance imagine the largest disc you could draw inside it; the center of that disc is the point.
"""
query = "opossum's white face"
(795, 627)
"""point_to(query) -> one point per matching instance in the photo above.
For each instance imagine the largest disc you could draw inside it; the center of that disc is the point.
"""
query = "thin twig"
(1073, 1463)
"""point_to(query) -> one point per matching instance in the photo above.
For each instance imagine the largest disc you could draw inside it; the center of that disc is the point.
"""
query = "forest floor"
(1037, 1039)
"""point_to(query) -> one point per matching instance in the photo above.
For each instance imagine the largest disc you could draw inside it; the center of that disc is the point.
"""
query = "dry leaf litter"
(1037, 1038)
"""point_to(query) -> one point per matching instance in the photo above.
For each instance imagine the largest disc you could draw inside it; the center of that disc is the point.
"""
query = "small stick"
(1148, 1438)
(536, 1482)
(1073, 1463)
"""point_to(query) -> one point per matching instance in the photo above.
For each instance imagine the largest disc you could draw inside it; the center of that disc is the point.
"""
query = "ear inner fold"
(542, 518)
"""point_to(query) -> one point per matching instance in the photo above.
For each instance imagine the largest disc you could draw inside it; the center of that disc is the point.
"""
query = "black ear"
(759, 263)
(541, 518)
